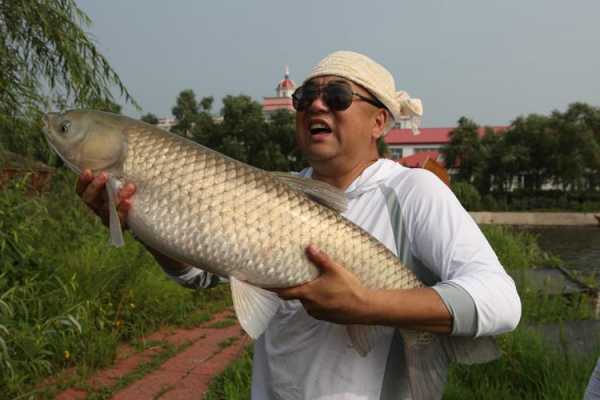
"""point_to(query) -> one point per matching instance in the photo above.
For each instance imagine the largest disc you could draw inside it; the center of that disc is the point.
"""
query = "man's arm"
(337, 295)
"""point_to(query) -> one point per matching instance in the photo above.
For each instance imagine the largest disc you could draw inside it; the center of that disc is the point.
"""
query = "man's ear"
(379, 123)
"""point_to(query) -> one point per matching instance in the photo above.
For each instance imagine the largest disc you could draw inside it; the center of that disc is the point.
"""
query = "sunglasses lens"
(304, 96)
(337, 96)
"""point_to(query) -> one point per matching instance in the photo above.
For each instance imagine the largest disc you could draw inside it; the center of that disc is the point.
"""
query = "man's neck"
(341, 176)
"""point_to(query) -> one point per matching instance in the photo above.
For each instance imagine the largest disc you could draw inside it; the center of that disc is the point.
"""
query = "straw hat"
(365, 72)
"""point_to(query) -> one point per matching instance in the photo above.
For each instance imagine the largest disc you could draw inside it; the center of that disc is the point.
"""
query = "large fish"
(203, 208)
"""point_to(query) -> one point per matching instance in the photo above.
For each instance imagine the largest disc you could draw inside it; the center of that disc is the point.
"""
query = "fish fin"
(321, 192)
(468, 350)
(363, 337)
(428, 356)
(253, 306)
(116, 233)
(427, 365)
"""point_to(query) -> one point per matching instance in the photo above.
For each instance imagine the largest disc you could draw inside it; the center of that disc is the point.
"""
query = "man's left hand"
(336, 295)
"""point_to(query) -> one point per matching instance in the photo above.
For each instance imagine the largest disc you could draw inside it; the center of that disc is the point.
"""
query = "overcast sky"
(490, 61)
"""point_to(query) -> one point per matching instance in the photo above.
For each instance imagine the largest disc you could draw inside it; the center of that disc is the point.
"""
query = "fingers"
(84, 180)
(290, 293)
(320, 259)
(93, 192)
(124, 202)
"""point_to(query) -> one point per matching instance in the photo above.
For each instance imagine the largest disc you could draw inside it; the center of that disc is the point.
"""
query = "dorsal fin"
(321, 192)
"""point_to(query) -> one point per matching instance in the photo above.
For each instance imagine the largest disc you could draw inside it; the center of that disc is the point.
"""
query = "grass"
(528, 369)
(67, 298)
(234, 382)
(224, 323)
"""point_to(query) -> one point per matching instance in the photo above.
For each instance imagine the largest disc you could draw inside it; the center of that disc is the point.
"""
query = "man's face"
(323, 134)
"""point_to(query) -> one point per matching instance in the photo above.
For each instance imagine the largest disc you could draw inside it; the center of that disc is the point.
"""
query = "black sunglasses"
(337, 95)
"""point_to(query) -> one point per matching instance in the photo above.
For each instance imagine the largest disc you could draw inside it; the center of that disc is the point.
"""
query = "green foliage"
(234, 383)
(243, 133)
(528, 369)
(542, 200)
(467, 195)
(561, 149)
(43, 43)
(66, 297)
(45, 52)
(150, 118)
(466, 151)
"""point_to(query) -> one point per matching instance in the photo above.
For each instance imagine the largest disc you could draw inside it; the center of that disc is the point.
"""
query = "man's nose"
(318, 105)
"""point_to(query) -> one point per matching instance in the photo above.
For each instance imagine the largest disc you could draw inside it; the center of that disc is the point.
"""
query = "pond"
(577, 246)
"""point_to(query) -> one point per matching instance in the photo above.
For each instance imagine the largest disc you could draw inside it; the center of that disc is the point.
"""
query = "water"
(577, 246)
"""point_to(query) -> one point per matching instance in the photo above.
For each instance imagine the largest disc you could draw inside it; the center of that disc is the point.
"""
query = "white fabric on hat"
(376, 79)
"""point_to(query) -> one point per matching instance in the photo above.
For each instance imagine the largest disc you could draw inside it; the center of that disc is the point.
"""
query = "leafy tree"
(243, 133)
(529, 148)
(465, 152)
(282, 131)
(185, 111)
(44, 51)
(104, 105)
(43, 44)
(150, 118)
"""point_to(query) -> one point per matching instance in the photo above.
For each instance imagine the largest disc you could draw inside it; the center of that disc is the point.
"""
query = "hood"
(370, 178)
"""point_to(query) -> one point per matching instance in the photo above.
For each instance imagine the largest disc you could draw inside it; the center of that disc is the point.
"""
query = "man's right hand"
(92, 191)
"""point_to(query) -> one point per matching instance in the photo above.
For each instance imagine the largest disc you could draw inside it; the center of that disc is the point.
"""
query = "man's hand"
(336, 295)
(93, 193)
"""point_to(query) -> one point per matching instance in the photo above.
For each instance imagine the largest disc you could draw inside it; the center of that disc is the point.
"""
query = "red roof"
(417, 160)
(286, 84)
(427, 135)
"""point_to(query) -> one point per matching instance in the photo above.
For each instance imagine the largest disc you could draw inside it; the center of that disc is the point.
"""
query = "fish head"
(86, 139)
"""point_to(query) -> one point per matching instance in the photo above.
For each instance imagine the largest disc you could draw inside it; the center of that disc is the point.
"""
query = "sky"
(489, 61)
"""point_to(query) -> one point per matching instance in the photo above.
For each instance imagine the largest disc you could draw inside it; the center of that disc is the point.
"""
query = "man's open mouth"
(319, 127)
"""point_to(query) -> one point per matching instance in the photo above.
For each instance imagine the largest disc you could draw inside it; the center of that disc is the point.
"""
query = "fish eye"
(65, 126)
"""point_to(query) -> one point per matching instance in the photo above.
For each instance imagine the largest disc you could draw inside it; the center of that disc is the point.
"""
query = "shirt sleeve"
(593, 389)
(193, 278)
(444, 237)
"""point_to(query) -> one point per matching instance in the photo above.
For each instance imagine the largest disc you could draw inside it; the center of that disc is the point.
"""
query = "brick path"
(185, 375)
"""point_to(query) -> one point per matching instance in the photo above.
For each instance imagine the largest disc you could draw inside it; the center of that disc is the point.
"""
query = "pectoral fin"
(116, 233)
(363, 337)
(253, 306)
(321, 192)
(428, 357)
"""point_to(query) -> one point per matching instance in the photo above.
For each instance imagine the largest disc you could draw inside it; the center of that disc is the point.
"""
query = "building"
(283, 99)
(166, 123)
(405, 146)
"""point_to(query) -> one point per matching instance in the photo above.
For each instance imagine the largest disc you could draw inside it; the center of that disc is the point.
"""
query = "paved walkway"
(186, 375)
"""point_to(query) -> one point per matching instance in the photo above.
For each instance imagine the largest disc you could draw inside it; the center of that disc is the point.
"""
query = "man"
(348, 102)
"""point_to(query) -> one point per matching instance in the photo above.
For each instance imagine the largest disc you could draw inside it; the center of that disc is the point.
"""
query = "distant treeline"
(536, 152)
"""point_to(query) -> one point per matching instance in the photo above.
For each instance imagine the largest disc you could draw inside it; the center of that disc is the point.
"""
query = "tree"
(45, 53)
(185, 111)
(42, 44)
(150, 118)
(465, 152)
